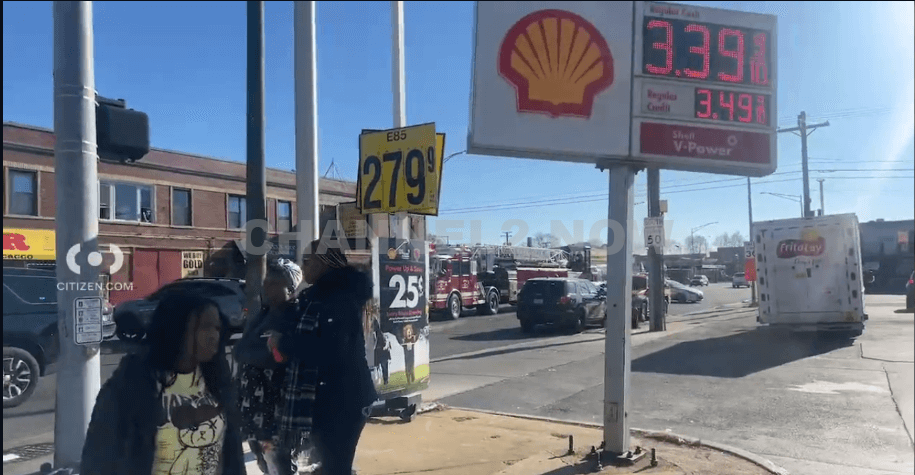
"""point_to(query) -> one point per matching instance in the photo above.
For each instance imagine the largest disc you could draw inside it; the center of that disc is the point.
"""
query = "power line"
(584, 199)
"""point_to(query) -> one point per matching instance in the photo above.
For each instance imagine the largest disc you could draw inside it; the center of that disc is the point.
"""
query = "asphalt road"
(32, 423)
(814, 406)
(476, 332)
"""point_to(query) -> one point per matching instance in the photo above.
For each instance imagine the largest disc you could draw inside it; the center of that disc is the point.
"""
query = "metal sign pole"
(619, 308)
(76, 177)
(306, 126)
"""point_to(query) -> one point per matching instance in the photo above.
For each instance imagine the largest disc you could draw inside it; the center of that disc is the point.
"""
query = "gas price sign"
(707, 81)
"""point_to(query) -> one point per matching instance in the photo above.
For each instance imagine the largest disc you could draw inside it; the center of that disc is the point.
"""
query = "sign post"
(624, 86)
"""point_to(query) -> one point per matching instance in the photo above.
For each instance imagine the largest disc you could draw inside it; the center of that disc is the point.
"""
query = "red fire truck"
(486, 276)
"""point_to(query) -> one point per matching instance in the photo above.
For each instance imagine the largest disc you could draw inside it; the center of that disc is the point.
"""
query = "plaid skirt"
(259, 395)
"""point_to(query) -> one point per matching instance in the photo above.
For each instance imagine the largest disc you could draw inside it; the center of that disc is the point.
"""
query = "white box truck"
(809, 274)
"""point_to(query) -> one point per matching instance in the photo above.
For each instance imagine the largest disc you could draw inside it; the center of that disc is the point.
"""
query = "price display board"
(707, 89)
(399, 171)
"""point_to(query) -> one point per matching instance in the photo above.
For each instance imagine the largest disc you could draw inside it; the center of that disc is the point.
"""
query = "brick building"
(161, 211)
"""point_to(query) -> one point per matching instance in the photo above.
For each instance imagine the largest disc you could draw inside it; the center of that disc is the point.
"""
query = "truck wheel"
(527, 326)
(128, 329)
(454, 307)
(491, 307)
(20, 376)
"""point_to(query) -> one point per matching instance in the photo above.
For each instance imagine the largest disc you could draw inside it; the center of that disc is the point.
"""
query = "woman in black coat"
(170, 408)
(329, 389)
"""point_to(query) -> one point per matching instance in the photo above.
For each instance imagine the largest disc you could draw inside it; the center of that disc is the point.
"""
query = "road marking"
(9, 457)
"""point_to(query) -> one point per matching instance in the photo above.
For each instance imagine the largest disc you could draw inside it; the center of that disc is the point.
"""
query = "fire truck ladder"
(523, 255)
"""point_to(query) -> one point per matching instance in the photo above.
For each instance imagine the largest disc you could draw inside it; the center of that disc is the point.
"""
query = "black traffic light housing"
(122, 133)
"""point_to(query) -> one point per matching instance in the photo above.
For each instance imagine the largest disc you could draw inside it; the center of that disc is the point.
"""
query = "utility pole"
(822, 201)
(257, 176)
(753, 301)
(76, 178)
(655, 258)
(507, 235)
(306, 127)
(805, 131)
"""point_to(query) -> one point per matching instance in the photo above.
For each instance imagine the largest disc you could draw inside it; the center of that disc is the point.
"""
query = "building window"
(238, 212)
(181, 207)
(130, 202)
(283, 216)
(24, 193)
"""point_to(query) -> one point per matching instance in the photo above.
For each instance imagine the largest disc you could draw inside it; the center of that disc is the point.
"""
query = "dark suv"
(133, 317)
(560, 301)
(30, 344)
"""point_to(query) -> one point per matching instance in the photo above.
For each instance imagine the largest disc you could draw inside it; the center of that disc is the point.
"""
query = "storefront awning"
(29, 244)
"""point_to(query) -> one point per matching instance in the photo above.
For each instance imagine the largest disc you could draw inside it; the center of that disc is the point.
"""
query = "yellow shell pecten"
(557, 61)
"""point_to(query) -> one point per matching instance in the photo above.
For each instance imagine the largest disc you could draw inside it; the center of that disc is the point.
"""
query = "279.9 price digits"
(414, 175)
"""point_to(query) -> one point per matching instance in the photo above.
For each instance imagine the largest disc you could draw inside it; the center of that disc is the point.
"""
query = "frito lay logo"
(811, 244)
(557, 62)
(14, 242)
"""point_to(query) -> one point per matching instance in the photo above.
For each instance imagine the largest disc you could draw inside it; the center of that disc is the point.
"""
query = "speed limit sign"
(654, 232)
(749, 249)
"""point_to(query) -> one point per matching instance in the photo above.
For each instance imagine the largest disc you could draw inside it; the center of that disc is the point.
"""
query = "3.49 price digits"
(687, 46)
(414, 170)
(732, 106)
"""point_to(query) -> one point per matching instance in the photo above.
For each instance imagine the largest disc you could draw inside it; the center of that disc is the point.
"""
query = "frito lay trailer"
(809, 273)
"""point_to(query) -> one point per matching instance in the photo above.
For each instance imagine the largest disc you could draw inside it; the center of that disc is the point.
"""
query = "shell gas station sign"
(663, 85)
(552, 83)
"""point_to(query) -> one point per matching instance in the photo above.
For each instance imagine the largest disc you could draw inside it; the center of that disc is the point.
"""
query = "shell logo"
(558, 63)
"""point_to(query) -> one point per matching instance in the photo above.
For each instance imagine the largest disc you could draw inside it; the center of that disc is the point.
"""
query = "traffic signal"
(122, 133)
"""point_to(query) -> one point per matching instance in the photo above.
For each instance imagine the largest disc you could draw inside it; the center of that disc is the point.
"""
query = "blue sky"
(184, 63)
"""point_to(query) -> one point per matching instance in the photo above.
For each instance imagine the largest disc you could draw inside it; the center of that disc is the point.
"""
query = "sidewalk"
(461, 442)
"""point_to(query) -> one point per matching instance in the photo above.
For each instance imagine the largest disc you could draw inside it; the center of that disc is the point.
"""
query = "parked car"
(683, 294)
(698, 281)
(910, 292)
(739, 280)
(30, 338)
(560, 301)
(133, 317)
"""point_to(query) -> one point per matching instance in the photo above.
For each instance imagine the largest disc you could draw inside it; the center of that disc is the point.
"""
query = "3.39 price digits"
(705, 52)
(732, 106)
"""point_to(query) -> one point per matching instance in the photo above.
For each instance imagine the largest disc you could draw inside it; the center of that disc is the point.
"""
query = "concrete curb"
(669, 437)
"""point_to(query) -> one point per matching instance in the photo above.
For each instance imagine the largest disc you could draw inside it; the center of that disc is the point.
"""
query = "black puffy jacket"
(121, 439)
(338, 345)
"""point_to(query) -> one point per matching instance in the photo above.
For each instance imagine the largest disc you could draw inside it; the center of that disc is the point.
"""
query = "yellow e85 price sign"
(400, 170)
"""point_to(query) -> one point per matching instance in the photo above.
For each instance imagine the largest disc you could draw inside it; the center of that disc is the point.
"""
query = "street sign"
(551, 80)
(654, 233)
(705, 85)
(749, 250)
(87, 313)
(398, 171)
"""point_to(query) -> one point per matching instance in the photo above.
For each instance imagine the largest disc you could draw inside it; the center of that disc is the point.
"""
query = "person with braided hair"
(328, 391)
(261, 376)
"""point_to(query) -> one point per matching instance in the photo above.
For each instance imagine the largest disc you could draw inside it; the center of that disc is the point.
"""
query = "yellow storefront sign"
(29, 244)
